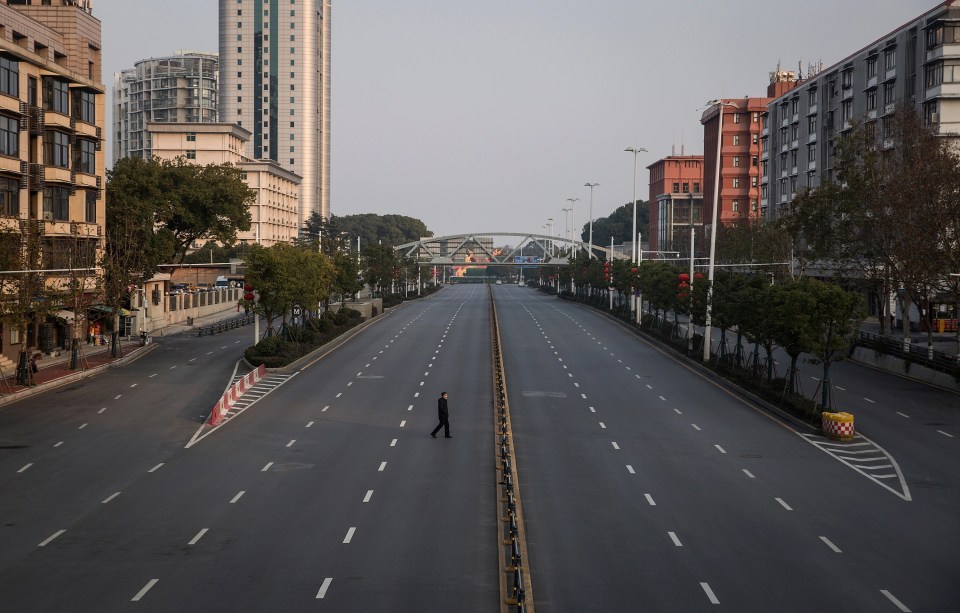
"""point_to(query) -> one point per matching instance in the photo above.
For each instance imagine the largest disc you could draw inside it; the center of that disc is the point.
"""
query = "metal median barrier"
(515, 589)
(226, 324)
(917, 354)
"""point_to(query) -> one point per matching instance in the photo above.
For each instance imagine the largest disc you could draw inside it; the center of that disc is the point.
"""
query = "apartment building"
(917, 64)
(179, 88)
(275, 212)
(675, 201)
(275, 82)
(740, 148)
(51, 168)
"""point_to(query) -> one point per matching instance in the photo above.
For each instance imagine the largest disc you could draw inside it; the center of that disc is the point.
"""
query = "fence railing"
(226, 324)
(917, 354)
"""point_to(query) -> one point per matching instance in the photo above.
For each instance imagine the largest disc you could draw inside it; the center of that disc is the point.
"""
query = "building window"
(888, 93)
(56, 203)
(696, 188)
(735, 206)
(191, 136)
(676, 187)
(753, 181)
(85, 157)
(686, 188)
(812, 96)
(794, 105)
(9, 76)
(890, 58)
(755, 138)
(9, 197)
(871, 67)
(846, 110)
(736, 161)
(191, 154)
(811, 153)
(793, 158)
(756, 117)
(56, 96)
(736, 139)
(56, 149)
(91, 206)
(735, 182)
(812, 124)
(872, 99)
(846, 79)
(85, 106)
(736, 118)
(9, 136)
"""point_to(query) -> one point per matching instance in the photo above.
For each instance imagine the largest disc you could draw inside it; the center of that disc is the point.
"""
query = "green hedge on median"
(290, 343)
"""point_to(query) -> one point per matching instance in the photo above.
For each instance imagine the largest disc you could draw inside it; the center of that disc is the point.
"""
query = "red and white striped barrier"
(234, 393)
(837, 425)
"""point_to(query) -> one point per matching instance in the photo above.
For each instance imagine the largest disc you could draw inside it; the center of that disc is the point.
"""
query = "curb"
(49, 385)
(716, 379)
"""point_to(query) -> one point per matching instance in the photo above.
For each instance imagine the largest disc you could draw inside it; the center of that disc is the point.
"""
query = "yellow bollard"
(837, 426)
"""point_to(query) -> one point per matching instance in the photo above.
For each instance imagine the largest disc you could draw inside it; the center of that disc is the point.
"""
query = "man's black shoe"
(433, 435)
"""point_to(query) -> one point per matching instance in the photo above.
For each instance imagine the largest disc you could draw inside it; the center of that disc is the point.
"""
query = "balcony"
(59, 121)
(60, 175)
(812, 138)
(795, 144)
(812, 165)
(10, 104)
(812, 110)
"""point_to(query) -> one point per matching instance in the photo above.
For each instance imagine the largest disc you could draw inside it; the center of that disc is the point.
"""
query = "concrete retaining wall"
(892, 364)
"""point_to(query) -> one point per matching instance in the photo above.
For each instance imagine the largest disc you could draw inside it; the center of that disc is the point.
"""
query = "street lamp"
(633, 238)
(713, 227)
(566, 218)
(590, 240)
(573, 218)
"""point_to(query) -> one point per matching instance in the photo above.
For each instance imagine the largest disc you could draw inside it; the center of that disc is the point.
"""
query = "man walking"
(444, 417)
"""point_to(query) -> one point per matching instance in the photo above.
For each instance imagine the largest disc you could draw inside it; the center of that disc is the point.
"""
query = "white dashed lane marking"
(830, 544)
(50, 538)
(143, 592)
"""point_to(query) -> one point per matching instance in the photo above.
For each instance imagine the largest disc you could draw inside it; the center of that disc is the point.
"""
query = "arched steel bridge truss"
(457, 249)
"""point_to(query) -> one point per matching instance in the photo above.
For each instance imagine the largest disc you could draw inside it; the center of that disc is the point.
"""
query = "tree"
(835, 322)
(373, 229)
(792, 307)
(23, 290)
(380, 264)
(202, 203)
(619, 225)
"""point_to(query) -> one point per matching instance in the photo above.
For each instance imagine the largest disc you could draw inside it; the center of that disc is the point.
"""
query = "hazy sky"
(478, 116)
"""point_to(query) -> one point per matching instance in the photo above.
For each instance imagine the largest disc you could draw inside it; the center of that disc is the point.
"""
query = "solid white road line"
(309, 424)
(368, 496)
(393, 443)
(144, 591)
(50, 538)
(720, 448)
(110, 497)
(403, 423)
(650, 500)
(237, 497)
(630, 470)
(676, 541)
(783, 504)
(383, 465)
(748, 473)
(896, 602)
(945, 433)
(709, 592)
(266, 467)
(615, 445)
(290, 444)
(830, 544)
(155, 467)
(198, 537)
(349, 536)
(903, 415)
(25, 467)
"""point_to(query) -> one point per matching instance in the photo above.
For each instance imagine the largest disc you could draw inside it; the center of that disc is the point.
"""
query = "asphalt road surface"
(645, 486)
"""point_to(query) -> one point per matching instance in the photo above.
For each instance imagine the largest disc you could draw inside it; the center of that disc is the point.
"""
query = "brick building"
(675, 201)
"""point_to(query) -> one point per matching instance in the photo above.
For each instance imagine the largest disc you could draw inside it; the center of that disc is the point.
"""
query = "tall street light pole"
(566, 220)
(573, 219)
(713, 226)
(633, 238)
(590, 240)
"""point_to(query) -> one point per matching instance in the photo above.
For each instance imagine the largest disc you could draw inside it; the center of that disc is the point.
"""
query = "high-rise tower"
(275, 82)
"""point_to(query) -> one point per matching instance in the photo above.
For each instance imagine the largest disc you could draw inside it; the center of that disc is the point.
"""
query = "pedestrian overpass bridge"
(515, 249)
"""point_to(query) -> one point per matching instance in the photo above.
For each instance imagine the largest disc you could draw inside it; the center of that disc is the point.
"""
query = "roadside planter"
(837, 425)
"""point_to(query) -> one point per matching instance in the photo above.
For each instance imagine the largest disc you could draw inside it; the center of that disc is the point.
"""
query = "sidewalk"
(55, 371)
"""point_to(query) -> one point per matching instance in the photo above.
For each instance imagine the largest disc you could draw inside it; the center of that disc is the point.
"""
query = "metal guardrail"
(918, 354)
(513, 544)
(226, 324)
